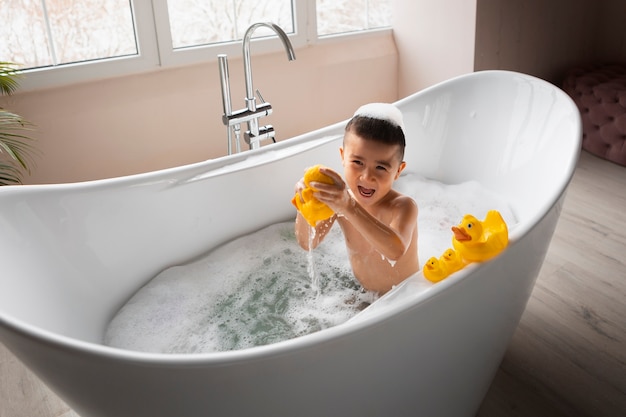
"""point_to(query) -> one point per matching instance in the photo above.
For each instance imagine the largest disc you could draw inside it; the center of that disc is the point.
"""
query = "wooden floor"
(568, 356)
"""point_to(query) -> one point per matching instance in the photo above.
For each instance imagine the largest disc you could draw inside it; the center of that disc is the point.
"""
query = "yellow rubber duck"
(312, 209)
(478, 241)
(452, 261)
(433, 270)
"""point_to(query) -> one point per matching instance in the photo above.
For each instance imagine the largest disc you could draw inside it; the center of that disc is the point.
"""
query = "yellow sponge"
(312, 209)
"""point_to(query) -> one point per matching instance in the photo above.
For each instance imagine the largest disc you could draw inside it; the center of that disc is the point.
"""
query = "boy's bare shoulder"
(401, 208)
(401, 200)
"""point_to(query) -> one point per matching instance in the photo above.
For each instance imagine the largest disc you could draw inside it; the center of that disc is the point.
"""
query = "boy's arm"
(392, 240)
(303, 231)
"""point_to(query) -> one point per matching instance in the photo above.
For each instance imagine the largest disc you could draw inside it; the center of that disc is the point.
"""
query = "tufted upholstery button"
(599, 91)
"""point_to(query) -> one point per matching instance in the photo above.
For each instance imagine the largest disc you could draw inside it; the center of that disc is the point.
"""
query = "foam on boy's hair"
(381, 111)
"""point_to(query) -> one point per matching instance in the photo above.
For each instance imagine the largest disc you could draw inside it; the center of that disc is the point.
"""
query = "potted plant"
(16, 147)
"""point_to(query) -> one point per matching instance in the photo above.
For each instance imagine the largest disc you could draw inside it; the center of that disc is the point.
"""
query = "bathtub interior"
(72, 254)
(516, 135)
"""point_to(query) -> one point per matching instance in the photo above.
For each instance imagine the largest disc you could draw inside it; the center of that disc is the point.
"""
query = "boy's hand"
(337, 195)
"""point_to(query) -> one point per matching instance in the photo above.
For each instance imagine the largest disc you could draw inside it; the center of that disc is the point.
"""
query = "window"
(195, 22)
(63, 41)
(49, 33)
(341, 16)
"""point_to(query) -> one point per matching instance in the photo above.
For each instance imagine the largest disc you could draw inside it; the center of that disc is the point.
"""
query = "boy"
(379, 224)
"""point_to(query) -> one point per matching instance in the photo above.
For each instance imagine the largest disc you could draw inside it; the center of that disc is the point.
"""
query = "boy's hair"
(378, 130)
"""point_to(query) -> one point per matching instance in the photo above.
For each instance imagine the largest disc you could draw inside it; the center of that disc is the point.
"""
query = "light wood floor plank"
(22, 394)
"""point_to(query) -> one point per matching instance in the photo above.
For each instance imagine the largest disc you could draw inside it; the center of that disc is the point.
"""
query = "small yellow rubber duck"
(452, 261)
(312, 209)
(478, 241)
(433, 270)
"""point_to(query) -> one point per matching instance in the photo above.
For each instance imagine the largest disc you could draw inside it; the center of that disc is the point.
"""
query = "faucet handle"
(261, 99)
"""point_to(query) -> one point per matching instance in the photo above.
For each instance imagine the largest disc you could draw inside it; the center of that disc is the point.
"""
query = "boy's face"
(370, 167)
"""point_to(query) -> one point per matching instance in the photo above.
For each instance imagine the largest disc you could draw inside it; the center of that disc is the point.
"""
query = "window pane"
(340, 16)
(38, 33)
(23, 33)
(201, 22)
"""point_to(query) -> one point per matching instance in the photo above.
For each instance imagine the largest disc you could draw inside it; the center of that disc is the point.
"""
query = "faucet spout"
(251, 113)
(250, 99)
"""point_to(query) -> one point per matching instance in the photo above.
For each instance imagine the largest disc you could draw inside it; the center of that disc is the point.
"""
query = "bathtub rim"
(40, 335)
(198, 170)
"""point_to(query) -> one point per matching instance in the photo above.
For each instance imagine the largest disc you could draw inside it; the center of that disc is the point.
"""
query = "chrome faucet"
(253, 112)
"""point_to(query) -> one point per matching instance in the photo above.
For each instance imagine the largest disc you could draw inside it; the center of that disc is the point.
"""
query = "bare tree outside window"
(39, 33)
(202, 22)
(341, 16)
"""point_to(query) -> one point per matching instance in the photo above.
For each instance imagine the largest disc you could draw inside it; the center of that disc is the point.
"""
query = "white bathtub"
(72, 254)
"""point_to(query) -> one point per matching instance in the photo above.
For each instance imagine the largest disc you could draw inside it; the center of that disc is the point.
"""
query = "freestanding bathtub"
(72, 254)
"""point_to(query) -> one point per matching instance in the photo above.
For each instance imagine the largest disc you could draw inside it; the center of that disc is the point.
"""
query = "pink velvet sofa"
(599, 91)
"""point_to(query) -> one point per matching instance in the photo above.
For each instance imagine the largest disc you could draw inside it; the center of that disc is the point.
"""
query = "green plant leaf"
(16, 148)
(9, 174)
(14, 144)
(9, 77)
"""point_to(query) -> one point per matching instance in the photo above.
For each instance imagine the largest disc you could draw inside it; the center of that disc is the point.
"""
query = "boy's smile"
(366, 192)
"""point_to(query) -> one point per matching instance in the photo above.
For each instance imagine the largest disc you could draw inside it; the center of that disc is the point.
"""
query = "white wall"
(435, 41)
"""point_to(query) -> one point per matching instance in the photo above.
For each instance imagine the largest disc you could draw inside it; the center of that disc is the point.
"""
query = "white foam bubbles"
(382, 111)
(252, 291)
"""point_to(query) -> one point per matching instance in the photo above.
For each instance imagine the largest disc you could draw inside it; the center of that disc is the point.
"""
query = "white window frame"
(146, 59)
(154, 45)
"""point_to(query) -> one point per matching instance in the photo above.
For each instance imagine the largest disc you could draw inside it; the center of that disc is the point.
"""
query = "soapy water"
(252, 291)
(263, 288)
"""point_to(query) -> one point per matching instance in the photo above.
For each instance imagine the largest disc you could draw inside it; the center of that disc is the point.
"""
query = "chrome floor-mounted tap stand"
(253, 111)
